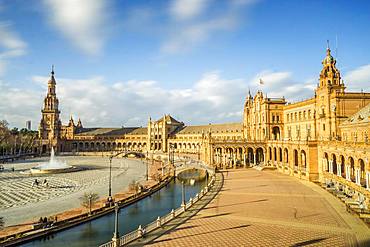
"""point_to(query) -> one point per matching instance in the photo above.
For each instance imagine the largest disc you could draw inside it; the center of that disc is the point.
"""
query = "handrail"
(136, 234)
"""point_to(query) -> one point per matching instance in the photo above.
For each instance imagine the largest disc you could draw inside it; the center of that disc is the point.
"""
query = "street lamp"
(147, 168)
(110, 179)
(183, 194)
(116, 234)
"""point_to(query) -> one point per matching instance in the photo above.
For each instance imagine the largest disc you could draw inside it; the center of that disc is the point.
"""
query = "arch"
(303, 160)
(259, 155)
(342, 166)
(362, 172)
(275, 154)
(280, 155)
(286, 155)
(326, 162)
(352, 169)
(119, 145)
(295, 155)
(270, 153)
(276, 133)
(250, 155)
(334, 164)
(81, 146)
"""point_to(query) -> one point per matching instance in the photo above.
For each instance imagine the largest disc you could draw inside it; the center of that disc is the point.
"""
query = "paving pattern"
(20, 201)
(265, 208)
(17, 189)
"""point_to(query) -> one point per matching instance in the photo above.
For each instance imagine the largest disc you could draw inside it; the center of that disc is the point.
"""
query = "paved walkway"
(266, 208)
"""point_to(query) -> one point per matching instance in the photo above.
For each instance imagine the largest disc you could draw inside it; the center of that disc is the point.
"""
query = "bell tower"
(329, 87)
(50, 124)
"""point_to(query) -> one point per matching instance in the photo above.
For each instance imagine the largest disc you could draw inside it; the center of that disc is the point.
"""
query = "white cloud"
(193, 25)
(11, 45)
(212, 98)
(185, 9)
(283, 84)
(193, 34)
(358, 78)
(83, 22)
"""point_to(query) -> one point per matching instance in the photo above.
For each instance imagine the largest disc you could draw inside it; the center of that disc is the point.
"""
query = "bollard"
(140, 231)
(173, 213)
(191, 201)
(159, 221)
(197, 196)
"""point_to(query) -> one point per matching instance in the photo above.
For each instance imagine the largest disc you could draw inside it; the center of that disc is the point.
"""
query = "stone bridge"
(192, 164)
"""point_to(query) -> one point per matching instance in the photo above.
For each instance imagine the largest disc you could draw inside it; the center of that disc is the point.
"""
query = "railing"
(195, 164)
(141, 231)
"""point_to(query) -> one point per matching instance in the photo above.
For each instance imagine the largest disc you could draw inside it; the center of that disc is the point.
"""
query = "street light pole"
(147, 175)
(183, 194)
(116, 233)
(110, 179)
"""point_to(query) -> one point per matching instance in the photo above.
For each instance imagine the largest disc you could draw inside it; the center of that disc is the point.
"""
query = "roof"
(105, 131)
(139, 131)
(362, 116)
(215, 128)
(169, 120)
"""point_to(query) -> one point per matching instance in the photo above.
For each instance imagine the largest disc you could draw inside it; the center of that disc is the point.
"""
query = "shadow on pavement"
(309, 242)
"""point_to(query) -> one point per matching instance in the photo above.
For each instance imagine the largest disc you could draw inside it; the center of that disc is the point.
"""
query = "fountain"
(53, 166)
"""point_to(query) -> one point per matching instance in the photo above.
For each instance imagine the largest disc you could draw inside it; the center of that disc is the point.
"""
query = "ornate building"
(324, 137)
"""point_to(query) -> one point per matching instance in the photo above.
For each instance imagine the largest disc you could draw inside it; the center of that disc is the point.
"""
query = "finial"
(52, 69)
(328, 46)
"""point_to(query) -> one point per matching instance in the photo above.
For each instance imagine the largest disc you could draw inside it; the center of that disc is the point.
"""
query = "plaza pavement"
(266, 208)
(20, 202)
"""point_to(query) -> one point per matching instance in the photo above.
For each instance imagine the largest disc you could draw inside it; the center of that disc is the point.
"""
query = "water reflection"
(100, 230)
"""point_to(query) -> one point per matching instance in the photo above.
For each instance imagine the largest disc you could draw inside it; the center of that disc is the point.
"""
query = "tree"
(89, 199)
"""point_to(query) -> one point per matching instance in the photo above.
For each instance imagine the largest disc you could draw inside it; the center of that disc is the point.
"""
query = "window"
(277, 118)
(323, 127)
(273, 118)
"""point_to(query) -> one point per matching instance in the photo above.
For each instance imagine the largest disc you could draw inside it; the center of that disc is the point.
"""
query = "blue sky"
(118, 62)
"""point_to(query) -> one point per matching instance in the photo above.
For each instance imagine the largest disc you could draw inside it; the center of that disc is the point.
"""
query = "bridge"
(181, 166)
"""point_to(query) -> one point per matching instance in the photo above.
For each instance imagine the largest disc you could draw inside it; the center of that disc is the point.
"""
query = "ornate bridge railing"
(141, 231)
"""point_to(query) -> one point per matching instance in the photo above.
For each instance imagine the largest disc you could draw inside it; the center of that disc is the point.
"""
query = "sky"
(117, 63)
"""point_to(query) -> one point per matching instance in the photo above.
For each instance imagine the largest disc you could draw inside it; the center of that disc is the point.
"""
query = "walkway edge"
(198, 206)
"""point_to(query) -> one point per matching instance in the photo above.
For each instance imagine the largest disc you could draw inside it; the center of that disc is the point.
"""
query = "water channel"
(100, 230)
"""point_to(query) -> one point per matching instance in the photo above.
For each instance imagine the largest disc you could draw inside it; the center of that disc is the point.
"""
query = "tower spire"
(52, 69)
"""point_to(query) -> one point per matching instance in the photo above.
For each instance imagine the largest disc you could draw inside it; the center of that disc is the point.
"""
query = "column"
(339, 170)
(368, 180)
(357, 175)
(348, 173)
(245, 160)
(255, 158)
(234, 157)
(330, 166)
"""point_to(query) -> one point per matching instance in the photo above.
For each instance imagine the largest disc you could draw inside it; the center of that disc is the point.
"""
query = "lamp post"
(110, 179)
(147, 171)
(183, 194)
(116, 233)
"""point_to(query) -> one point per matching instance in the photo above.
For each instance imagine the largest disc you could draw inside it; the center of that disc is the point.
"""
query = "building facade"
(324, 137)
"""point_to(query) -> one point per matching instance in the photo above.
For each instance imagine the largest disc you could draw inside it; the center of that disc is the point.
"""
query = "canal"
(100, 230)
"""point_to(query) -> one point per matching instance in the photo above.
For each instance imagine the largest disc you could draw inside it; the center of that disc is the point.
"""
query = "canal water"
(100, 230)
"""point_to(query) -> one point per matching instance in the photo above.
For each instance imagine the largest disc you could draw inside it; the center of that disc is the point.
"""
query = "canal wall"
(29, 235)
